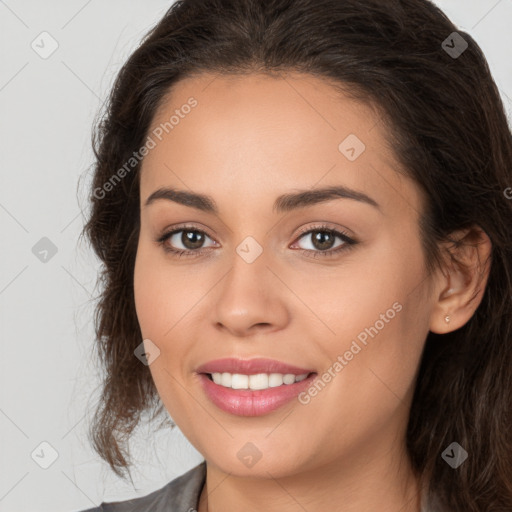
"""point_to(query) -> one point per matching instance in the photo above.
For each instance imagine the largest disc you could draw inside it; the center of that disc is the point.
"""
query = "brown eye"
(323, 240)
(183, 241)
(192, 239)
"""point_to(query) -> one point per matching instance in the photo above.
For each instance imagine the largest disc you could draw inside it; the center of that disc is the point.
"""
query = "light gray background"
(48, 380)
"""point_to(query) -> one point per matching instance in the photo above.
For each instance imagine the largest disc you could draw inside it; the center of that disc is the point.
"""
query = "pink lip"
(250, 366)
(247, 402)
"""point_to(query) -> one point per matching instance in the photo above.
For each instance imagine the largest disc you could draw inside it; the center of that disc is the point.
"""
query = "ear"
(461, 284)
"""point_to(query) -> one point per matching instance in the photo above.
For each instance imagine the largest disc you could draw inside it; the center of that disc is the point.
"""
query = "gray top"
(179, 495)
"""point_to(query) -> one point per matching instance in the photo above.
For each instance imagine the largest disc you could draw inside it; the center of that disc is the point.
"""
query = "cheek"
(158, 309)
(149, 294)
(164, 297)
(382, 320)
(368, 290)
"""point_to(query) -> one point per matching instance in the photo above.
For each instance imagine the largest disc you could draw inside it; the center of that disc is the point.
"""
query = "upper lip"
(250, 366)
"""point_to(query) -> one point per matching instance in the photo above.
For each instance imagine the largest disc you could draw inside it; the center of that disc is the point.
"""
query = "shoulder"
(181, 494)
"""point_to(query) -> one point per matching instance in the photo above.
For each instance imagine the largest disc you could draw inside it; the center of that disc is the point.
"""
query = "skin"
(247, 141)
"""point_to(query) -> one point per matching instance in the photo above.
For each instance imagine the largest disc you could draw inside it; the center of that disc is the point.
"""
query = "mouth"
(252, 387)
(255, 381)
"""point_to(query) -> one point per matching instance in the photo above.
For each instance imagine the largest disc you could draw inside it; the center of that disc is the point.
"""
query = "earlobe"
(463, 280)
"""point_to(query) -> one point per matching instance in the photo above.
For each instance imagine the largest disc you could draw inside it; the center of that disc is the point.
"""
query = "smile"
(257, 381)
(252, 387)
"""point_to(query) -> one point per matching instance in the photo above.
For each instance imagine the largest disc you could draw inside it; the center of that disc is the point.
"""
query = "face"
(332, 290)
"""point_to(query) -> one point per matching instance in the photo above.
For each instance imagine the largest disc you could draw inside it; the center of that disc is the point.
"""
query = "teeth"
(258, 381)
(238, 381)
(275, 379)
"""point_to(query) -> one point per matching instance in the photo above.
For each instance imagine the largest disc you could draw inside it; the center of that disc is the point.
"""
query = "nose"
(251, 299)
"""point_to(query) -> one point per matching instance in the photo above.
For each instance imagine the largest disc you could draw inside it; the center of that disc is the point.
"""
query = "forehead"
(292, 104)
(250, 132)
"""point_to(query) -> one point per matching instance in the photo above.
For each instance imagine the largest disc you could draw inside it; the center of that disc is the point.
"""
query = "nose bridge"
(250, 294)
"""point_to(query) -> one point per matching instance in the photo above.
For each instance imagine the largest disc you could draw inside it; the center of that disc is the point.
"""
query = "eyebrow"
(284, 203)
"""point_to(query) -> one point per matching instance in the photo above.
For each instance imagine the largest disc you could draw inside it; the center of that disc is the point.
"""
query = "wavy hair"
(448, 128)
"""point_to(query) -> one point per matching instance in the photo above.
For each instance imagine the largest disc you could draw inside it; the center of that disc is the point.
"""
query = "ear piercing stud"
(447, 319)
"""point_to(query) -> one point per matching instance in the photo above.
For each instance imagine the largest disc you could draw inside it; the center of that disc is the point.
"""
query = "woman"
(302, 213)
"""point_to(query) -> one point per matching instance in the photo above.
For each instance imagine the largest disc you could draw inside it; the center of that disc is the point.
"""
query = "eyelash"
(349, 243)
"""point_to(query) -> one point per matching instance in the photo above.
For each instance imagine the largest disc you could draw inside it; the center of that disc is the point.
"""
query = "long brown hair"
(449, 130)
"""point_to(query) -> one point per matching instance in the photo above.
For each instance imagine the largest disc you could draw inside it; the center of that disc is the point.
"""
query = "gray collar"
(179, 495)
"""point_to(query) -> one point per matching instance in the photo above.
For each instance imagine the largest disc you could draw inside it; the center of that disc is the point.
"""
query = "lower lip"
(248, 402)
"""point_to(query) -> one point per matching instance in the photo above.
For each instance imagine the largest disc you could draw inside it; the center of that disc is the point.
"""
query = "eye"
(323, 240)
(191, 239)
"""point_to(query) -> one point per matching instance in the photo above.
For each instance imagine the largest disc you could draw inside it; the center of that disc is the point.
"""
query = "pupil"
(188, 239)
(319, 240)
